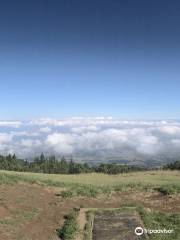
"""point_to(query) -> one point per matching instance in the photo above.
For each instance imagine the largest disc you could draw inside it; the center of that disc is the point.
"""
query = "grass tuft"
(89, 225)
(159, 220)
(167, 190)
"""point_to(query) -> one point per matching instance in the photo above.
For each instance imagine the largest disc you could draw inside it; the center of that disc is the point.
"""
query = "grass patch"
(19, 216)
(8, 179)
(81, 190)
(70, 227)
(167, 190)
(92, 184)
(159, 220)
(8, 221)
(89, 225)
(20, 199)
(88, 191)
(66, 194)
(28, 215)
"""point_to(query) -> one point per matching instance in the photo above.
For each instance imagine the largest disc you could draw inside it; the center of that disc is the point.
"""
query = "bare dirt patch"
(81, 222)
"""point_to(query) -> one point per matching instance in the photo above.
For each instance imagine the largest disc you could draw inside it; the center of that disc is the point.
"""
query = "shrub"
(87, 191)
(70, 227)
(66, 194)
(166, 190)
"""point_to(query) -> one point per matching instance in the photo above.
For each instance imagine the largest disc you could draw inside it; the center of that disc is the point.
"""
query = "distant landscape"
(51, 164)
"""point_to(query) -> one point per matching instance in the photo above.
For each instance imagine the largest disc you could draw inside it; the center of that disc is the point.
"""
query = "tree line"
(173, 166)
(50, 164)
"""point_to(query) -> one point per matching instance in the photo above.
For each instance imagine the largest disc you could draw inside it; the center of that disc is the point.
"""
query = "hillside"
(33, 205)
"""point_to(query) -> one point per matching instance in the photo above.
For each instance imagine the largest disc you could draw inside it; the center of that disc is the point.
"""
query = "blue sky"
(89, 58)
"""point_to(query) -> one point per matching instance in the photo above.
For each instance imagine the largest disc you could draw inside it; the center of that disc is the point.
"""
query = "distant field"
(149, 178)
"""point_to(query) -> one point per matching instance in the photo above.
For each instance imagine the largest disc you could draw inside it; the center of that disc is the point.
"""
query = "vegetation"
(51, 165)
(89, 225)
(70, 227)
(92, 184)
(173, 166)
(166, 190)
(19, 216)
(66, 194)
(159, 220)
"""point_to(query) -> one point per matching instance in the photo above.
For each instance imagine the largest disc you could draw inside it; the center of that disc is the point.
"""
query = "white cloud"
(5, 138)
(45, 129)
(91, 128)
(30, 143)
(15, 124)
(26, 143)
(82, 136)
(62, 143)
(176, 142)
(170, 129)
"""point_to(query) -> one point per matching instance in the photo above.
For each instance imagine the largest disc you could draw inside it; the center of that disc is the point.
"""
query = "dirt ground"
(33, 212)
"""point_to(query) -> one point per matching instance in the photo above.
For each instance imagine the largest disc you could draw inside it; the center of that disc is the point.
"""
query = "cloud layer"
(91, 138)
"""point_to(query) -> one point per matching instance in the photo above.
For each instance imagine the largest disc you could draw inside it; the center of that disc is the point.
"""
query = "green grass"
(92, 184)
(159, 220)
(70, 228)
(66, 194)
(167, 190)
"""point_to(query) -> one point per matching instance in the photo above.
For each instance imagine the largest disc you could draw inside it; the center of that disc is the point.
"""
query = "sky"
(116, 58)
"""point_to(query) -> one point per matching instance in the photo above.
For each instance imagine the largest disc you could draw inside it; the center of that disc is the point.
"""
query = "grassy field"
(93, 183)
(149, 178)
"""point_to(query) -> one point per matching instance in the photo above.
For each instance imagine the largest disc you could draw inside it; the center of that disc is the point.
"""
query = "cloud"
(14, 124)
(5, 141)
(90, 128)
(5, 138)
(45, 129)
(170, 130)
(96, 137)
(62, 143)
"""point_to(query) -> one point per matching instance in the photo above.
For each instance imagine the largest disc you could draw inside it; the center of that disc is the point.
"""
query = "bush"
(70, 227)
(66, 194)
(166, 190)
(87, 191)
